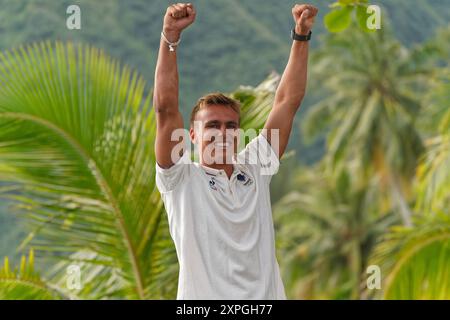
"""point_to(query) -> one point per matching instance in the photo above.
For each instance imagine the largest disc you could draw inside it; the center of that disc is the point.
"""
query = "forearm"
(292, 87)
(165, 95)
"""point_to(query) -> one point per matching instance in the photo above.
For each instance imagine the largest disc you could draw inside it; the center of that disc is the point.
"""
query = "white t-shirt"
(223, 228)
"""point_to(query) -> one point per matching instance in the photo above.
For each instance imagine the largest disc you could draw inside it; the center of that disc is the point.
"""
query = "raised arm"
(165, 98)
(292, 87)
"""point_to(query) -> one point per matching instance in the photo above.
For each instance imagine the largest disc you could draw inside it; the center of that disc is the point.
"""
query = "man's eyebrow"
(212, 122)
(218, 122)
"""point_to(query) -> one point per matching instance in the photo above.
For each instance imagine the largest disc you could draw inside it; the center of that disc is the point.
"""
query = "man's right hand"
(178, 17)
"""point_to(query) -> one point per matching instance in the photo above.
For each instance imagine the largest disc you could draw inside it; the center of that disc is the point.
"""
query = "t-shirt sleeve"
(260, 153)
(169, 179)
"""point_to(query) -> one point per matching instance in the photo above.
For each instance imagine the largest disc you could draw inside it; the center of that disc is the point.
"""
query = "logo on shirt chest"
(212, 184)
(244, 179)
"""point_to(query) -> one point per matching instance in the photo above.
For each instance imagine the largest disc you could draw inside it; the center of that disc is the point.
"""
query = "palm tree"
(372, 86)
(434, 169)
(326, 230)
(76, 149)
(76, 145)
(416, 260)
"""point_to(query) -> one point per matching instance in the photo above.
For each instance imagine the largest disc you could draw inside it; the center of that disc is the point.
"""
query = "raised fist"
(304, 15)
(178, 17)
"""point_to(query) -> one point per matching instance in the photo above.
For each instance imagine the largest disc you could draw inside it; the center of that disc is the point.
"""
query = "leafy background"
(324, 223)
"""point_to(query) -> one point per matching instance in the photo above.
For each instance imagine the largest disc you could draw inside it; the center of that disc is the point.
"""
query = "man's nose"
(223, 132)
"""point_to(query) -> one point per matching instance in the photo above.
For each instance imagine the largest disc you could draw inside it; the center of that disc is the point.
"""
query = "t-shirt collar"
(237, 168)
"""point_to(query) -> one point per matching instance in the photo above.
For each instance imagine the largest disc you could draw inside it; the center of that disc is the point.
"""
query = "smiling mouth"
(222, 144)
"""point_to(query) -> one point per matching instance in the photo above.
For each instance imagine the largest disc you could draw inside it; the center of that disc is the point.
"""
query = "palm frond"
(76, 139)
(325, 230)
(24, 282)
(414, 261)
(256, 102)
(434, 169)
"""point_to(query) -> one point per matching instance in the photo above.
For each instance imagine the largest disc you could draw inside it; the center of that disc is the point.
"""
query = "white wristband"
(171, 44)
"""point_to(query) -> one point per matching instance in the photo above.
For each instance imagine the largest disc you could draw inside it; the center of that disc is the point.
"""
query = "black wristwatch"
(300, 37)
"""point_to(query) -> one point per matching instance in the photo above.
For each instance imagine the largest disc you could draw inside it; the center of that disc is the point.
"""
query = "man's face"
(215, 131)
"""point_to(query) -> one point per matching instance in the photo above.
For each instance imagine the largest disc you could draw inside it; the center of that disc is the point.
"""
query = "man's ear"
(192, 135)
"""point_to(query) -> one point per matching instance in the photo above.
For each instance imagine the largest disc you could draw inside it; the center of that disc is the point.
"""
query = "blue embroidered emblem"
(212, 184)
(244, 178)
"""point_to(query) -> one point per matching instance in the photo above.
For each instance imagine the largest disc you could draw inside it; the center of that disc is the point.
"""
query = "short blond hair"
(215, 98)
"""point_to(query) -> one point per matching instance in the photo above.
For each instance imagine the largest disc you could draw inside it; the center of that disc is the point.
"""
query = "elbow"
(164, 95)
(162, 104)
(292, 101)
(162, 109)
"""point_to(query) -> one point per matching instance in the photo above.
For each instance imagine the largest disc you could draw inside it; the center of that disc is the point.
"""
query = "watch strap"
(300, 37)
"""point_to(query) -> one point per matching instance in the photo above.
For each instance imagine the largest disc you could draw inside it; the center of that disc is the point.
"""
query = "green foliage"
(415, 260)
(434, 170)
(373, 97)
(77, 142)
(23, 282)
(11, 229)
(256, 102)
(325, 230)
(375, 93)
(340, 18)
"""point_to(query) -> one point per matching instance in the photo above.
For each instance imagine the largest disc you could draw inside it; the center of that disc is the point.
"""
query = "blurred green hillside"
(232, 42)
